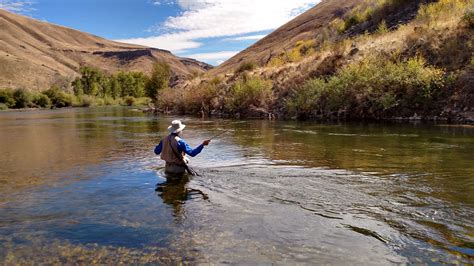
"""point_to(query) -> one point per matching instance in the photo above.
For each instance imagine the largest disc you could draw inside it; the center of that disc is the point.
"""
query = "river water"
(83, 185)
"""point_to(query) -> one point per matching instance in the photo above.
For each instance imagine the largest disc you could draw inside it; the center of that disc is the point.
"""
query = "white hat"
(176, 126)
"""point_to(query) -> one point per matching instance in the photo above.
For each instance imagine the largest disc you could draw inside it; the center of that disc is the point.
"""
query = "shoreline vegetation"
(361, 67)
(93, 88)
(21, 99)
(417, 64)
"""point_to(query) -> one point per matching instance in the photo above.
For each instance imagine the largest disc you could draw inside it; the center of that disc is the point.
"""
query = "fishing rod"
(220, 134)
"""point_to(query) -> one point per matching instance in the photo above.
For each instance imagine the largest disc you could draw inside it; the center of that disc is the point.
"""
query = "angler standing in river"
(173, 150)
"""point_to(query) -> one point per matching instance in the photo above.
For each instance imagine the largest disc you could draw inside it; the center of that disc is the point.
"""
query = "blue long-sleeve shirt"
(182, 147)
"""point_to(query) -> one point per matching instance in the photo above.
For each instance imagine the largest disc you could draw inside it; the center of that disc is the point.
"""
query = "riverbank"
(449, 117)
(417, 68)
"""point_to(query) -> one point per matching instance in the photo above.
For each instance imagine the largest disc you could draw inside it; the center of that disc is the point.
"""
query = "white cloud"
(17, 6)
(162, 2)
(214, 58)
(203, 19)
(173, 42)
(245, 38)
(217, 56)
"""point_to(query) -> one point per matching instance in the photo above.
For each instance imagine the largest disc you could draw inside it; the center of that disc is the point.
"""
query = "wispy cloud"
(162, 2)
(217, 56)
(173, 42)
(207, 19)
(17, 6)
(245, 38)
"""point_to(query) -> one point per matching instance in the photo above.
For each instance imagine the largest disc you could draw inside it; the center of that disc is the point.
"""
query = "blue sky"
(208, 30)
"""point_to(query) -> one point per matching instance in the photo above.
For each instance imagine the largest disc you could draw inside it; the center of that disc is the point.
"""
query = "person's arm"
(183, 146)
(158, 148)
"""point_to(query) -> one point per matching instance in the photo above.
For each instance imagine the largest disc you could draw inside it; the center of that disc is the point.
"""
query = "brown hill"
(355, 59)
(35, 54)
(304, 27)
(313, 25)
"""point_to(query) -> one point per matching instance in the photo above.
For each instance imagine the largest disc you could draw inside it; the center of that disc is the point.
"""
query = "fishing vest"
(167, 153)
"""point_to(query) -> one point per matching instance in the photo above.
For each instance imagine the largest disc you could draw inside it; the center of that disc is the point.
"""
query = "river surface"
(84, 186)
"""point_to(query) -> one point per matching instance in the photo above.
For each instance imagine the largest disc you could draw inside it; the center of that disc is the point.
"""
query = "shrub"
(23, 98)
(84, 101)
(468, 18)
(435, 12)
(142, 101)
(129, 100)
(276, 62)
(41, 100)
(306, 47)
(382, 27)
(3, 106)
(110, 101)
(78, 87)
(99, 102)
(364, 86)
(338, 25)
(312, 99)
(59, 98)
(294, 55)
(375, 13)
(246, 66)
(169, 100)
(252, 92)
(374, 87)
(357, 16)
(201, 98)
(300, 50)
(6, 97)
(352, 20)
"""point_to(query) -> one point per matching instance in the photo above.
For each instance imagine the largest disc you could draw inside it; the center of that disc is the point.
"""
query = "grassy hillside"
(374, 59)
(306, 26)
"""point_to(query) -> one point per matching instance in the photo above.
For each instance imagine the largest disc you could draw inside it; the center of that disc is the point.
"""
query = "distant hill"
(35, 54)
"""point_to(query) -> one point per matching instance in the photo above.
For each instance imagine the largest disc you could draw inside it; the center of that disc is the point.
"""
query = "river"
(84, 186)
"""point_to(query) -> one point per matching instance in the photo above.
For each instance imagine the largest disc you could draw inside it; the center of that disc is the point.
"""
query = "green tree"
(127, 83)
(140, 80)
(115, 87)
(105, 87)
(159, 80)
(92, 79)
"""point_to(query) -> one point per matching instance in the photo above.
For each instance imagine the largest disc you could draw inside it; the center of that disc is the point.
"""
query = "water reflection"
(175, 192)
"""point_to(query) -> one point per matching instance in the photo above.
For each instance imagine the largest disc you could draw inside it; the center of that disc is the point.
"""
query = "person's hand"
(206, 142)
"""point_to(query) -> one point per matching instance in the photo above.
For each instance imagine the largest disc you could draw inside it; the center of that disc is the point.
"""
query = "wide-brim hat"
(176, 126)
